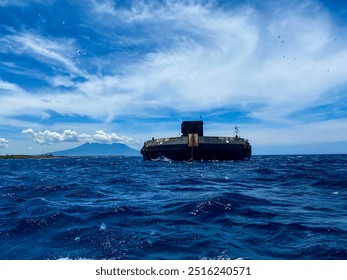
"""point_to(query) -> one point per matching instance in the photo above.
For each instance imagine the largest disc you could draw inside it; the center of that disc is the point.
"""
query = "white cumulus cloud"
(47, 137)
(3, 143)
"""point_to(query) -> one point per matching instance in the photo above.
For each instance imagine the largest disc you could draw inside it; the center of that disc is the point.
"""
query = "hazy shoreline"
(49, 156)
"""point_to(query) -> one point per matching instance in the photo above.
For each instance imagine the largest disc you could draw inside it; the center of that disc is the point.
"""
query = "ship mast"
(236, 131)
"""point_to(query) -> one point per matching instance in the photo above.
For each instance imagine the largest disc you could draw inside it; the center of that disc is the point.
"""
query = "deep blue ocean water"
(271, 207)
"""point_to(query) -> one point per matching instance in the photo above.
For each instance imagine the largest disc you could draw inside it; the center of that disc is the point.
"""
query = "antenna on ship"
(236, 131)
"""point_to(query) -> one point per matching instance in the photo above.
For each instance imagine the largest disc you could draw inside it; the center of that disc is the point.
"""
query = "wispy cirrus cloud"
(9, 88)
(47, 137)
(281, 63)
(51, 51)
(217, 59)
(22, 3)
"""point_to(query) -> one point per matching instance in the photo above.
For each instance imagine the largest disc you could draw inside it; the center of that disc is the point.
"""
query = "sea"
(288, 207)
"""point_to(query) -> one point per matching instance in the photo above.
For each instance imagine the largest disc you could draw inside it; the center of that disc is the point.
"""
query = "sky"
(109, 71)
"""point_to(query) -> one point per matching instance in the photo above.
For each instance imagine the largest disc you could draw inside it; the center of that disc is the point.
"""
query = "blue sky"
(110, 71)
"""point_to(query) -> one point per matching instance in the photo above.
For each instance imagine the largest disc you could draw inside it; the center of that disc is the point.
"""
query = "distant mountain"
(94, 149)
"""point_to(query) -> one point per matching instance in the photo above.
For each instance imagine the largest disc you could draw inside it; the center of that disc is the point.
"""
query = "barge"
(193, 145)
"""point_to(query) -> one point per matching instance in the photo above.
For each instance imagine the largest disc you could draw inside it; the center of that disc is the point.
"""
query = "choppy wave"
(271, 207)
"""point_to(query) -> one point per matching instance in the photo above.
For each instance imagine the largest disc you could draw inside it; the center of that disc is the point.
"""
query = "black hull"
(193, 145)
(220, 152)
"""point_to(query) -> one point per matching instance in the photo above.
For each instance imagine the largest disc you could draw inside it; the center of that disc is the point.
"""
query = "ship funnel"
(192, 127)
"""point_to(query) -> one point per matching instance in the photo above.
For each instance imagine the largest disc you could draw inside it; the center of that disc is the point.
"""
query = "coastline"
(49, 156)
(26, 156)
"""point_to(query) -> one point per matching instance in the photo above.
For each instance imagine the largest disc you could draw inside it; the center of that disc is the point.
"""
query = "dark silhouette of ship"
(193, 145)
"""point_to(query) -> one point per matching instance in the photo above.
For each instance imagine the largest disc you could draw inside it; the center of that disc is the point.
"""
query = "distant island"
(85, 150)
(25, 156)
(95, 149)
